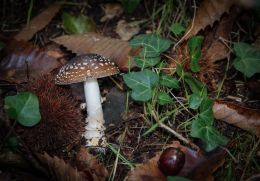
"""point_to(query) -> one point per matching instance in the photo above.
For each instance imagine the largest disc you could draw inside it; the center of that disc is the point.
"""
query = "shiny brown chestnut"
(171, 161)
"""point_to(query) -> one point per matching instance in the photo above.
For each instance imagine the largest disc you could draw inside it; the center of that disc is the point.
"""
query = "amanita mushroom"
(87, 68)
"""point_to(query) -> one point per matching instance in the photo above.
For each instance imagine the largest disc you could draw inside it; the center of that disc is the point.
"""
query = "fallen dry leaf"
(117, 50)
(111, 10)
(62, 171)
(24, 61)
(208, 12)
(244, 118)
(197, 166)
(87, 162)
(126, 30)
(38, 22)
(215, 48)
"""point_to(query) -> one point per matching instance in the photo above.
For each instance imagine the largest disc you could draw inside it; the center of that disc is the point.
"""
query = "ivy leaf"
(202, 127)
(194, 101)
(177, 29)
(77, 24)
(196, 86)
(164, 98)
(24, 108)
(207, 133)
(169, 81)
(142, 83)
(248, 59)
(129, 6)
(152, 44)
(146, 62)
(206, 112)
(194, 45)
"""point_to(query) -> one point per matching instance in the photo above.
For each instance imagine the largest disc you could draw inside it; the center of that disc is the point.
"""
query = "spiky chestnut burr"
(62, 122)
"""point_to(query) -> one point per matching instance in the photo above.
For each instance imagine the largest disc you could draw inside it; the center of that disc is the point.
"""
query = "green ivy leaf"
(202, 127)
(177, 178)
(146, 62)
(130, 6)
(194, 45)
(77, 24)
(142, 83)
(169, 81)
(194, 101)
(206, 112)
(24, 108)
(152, 44)
(164, 98)
(177, 29)
(196, 86)
(207, 133)
(248, 59)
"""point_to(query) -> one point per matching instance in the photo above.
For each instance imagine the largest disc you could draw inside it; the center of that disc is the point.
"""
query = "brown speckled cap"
(85, 66)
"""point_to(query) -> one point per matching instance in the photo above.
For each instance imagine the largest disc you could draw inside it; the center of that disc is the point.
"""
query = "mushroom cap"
(84, 67)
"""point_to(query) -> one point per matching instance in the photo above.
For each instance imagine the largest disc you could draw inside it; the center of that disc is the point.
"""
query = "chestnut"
(171, 161)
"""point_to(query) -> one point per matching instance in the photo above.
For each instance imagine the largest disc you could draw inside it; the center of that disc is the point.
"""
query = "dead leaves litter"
(61, 171)
(117, 50)
(38, 22)
(87, 162)
(197, 166)
(24, 61)
(244, 118)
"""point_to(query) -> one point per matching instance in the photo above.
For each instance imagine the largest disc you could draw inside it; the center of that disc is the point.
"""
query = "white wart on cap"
(85, 66)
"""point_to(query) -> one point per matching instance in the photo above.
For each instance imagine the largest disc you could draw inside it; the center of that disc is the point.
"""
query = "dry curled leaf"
(215, 48)
(244, 118)
(126, 30)
(111, 10)
(197, 166)
(38, 22)
(24, 61)
(87, 162)
(117, 50)
(208, 12)
(61, 171)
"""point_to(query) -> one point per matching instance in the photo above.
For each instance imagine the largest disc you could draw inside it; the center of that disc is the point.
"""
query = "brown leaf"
(244, 118)
(111, 11)
(117, 50)
(38, 22)
(197, 166)
(208, 12)
(24, 60)
(87, 162)
(215, 48)
(60, 170)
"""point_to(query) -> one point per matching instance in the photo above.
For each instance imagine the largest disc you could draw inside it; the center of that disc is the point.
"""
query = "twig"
(117, 84)
(179, 136)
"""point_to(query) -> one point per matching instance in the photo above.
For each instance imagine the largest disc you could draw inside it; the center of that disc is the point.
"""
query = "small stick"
(117, 84)
(179, 136)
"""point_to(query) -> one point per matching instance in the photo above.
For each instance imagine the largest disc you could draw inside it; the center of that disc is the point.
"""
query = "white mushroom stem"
(94, 133)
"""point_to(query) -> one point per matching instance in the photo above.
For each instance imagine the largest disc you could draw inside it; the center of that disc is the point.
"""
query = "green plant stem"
(29, 13)
(224, 78)
(121, 157)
